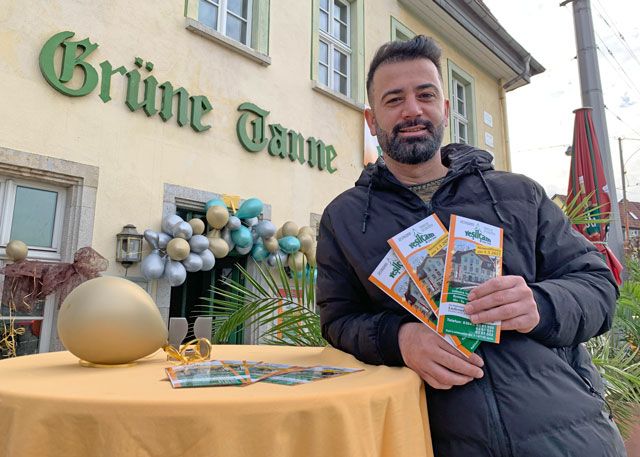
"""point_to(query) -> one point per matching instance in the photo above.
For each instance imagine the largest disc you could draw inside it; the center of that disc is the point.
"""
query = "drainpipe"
(524, 76)
(505, 126)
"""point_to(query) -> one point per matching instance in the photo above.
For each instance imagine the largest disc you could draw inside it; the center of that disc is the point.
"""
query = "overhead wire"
(616, 31)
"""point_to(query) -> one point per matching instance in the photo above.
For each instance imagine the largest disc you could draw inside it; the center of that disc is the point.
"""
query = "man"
(537, 392)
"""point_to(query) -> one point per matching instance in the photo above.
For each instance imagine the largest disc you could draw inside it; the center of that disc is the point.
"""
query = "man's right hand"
(435, 360)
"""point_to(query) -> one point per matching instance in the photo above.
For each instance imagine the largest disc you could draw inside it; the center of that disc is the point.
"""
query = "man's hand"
(435, 360)
(507, 299)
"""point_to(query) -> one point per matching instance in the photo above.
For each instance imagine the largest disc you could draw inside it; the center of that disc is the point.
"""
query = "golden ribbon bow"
(197, 350)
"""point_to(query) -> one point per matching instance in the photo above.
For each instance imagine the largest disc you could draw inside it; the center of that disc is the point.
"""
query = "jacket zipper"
(499, 428)
(595, 393)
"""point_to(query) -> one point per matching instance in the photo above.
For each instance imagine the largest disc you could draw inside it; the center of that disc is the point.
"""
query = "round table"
(52, 406)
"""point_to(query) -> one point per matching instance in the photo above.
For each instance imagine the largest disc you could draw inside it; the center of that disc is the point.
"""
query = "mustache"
(413, 123)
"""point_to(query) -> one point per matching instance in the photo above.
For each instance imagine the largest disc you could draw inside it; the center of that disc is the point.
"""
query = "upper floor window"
(334, 59)
(462, 98)
(399, 31)
(229, 17)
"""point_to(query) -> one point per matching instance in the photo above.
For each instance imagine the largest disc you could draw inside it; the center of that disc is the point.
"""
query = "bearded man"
(537, 392)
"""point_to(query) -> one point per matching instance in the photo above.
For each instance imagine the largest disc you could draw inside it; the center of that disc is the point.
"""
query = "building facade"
(118, 113)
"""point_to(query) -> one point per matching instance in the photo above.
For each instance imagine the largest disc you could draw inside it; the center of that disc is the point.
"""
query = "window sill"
(215, 36)
(337, 96)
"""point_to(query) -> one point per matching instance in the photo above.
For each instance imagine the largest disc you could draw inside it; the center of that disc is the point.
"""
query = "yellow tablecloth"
(51, 406)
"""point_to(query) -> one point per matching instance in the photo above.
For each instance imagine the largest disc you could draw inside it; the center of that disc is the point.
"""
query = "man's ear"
(446, 113)
(371, 120)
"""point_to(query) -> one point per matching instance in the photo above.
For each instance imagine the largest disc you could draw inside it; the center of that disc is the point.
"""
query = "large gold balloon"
(296, 261)
(178, 249)
(306, 242)
(218, 247)
(306, 230)
(217, 216)
(197, 225)
(290, 228)
(110, 321)
(271, 244)
(311, 257)
(17, 250)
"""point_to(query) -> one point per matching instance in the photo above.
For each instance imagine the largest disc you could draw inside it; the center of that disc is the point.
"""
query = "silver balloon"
(265, 229)
(152, 266)
(182, 230)
(169, 221)
(283, 257)
(152, 238)
(198, 243)
(234, 223)
(208, 260)
(251, 221)
(163, 240)
(192, 263)
(271, 260)
(226, 235)
(244, 250)
(175, 273)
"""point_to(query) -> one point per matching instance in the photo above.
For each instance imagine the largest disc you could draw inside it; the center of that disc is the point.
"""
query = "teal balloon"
(251, 207)
(215, 202)
(289, 244)
(259, 252)
(242, 237)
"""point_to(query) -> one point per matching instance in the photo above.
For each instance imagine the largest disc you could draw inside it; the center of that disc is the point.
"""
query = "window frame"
(221, 20)
(460, 78)
(8, 187)
(398, 27)
(335, 44)
(44, 342)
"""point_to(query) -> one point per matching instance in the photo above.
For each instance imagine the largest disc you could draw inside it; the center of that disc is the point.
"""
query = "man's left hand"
(507, 299)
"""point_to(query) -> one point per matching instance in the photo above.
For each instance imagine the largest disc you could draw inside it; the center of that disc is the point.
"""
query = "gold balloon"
(219, 247)
(271, 244)
(306, 230)
(178, 249)
(306, 242)
(289, 229)
(197, 225)
(296, 261)
(278, 233)
(17, 250)
(311, 257)
(110, 321)
(217, 216)
(214, 233)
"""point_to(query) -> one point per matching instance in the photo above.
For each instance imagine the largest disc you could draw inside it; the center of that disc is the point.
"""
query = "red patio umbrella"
(587, 179)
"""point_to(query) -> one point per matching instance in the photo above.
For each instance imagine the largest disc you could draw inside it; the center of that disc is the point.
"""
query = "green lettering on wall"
(167, 103)
(105, 84)
(331, 154)
(257, 141)
(278, 142)
(133, 91)
(200, 105)
(74, 54)
(296, 147)
(315, 152)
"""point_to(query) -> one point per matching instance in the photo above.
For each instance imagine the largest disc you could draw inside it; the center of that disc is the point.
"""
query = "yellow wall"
(137, 155)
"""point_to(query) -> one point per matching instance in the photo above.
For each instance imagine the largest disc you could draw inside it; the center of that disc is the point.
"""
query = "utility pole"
(591, 91)
(624, 193)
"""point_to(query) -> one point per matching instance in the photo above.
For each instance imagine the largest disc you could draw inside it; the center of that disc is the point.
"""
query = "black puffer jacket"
(540, 395)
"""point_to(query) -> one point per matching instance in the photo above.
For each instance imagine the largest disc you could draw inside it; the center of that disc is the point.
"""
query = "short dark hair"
(419, 47)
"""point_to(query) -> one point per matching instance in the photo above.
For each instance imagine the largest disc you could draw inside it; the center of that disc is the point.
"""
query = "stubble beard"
(411, 150)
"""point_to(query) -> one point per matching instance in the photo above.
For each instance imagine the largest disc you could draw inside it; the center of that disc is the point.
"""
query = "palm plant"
(278, 303)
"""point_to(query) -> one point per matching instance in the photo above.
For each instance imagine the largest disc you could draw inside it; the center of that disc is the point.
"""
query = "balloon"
(174, 272)
(182, 230)
(192, 263)
(250, 222)
(225, 234)
(217, 216)
(169, 221)
(178, 249)
(152, 266)
(215, 202)
(218, 247)
(289, 244)
(306, 242)
(289, 229)
(271, 244)
(234, 223)
(279, 233)
(306, 230)
(311, 257)
(265, 229)
(242, 237)
(251, 207)
(17, 250)
(244, 250)
(208, 260)
(163, 240)
(198, 243)
(214, 233)
(296, 261)
(152, 238)
(197, 226)
(271, 260)
(259, 252)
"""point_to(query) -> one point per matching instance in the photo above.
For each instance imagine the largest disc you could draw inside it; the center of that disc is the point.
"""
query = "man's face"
(409, 112)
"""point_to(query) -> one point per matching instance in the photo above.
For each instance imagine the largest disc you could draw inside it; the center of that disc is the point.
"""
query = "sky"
(540, 114)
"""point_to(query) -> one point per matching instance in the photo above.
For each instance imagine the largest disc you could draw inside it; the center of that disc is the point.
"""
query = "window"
(334, 57)
(33, 213)
(399, 31)
(229, 17)
(461, 95)
(633, 215)
(33, 324)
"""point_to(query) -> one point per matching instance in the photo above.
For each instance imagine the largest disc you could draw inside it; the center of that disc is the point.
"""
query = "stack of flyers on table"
(474, 256)
(243, 373)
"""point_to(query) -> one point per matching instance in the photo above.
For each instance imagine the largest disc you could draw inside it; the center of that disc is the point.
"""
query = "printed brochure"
(392, 278)
(474, 255)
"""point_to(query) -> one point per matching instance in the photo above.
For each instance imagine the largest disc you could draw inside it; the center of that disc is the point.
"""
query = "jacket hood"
(460, 159)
